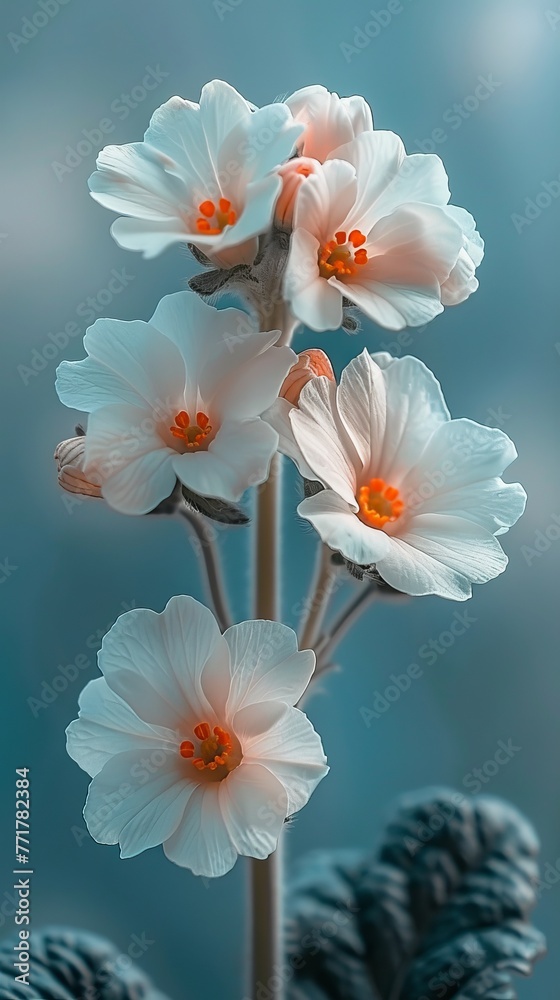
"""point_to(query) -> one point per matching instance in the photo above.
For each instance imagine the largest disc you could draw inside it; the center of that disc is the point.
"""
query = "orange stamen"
(335, 257)
(379, 503)
(356, 238)
(202, 731)
(223, 216)
(192, 435)
(215, 751)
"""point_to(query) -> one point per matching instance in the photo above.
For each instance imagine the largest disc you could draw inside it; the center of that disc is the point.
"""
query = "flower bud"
(293, 173)
(69, 457)
(310, 364)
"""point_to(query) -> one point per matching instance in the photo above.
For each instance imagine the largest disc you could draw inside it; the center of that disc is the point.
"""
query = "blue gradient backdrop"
(497, 357)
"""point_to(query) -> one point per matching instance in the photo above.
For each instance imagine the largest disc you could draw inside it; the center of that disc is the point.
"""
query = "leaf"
(67, 964)
(216, 510)
(441, 911)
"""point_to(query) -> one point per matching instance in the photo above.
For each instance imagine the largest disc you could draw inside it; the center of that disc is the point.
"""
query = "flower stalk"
(265, 876)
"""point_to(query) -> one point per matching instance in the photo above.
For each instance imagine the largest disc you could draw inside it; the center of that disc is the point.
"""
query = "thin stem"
(267, 579)
(206, 548)
(350, 614)
(266, 890)
(318, 600)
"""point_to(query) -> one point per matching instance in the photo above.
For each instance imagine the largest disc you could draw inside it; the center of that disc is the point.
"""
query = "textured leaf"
(442, 910)
(216, 510)
(74, 965)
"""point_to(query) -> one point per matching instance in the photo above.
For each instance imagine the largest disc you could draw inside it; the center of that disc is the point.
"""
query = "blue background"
(497, 357)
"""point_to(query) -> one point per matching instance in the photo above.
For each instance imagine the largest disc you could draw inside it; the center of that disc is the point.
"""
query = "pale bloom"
(373, 225)
(191, 737)
(310, 364)
(330, 121)
(180, 398)
(69, 457)
(205, 174)
(407, 489)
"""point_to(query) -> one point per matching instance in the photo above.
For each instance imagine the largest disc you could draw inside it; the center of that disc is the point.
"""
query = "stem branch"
(318, 600)
(206, 548)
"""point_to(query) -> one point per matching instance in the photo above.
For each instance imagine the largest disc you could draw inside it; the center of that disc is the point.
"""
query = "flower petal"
(342, 530)
(126, 454)
(292, 750)
(278, 416)
(442, 554)
(107, 726)
(415, 409)
(238, 457)
(202, 841)
(129, 362)
(266, 664)
(321, 436)
(155, 662)
(257, 385)
(459, 453)
(137, 800)
(313, 300)
(493, 504)
(362, 404)
(254, 805)
(148, 237)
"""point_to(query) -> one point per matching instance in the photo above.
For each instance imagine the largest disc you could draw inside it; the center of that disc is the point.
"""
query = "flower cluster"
(370, 224)
(305, 209)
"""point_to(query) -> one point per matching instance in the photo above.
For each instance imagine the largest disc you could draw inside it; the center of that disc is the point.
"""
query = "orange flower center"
(213, 220)
(379, 503)
(336, 258)
(216, 755)
(192, 435)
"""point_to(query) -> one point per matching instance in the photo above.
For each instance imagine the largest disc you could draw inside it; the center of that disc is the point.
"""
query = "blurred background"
(478, 83)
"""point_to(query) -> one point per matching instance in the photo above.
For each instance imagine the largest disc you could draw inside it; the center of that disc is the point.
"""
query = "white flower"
(373, 225)
(191, 738)
(330, 121)
(407, 488)
(204, 174)
(179, 397)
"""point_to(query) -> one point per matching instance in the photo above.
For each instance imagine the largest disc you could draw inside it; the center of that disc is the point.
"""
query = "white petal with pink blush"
(192, 739)
(178, 398)
(205, 174)
(373, 226)
(407, 489)
(330, 121)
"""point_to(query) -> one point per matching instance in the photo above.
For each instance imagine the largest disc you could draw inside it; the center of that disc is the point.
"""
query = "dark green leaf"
(442, 910)
(74, 965)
